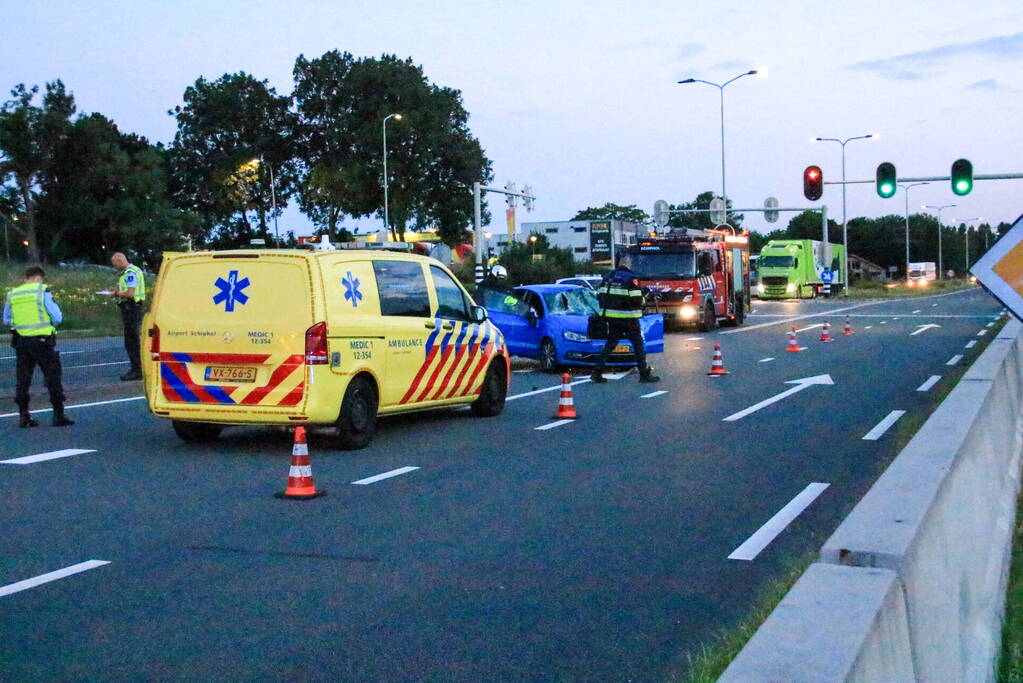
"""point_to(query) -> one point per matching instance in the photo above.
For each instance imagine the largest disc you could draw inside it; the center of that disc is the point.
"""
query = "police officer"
(131, 297)
(32, 315)
(621, 301)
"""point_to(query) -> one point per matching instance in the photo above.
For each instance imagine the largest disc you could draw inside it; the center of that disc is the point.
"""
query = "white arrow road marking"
(42, 457)
(552, 425)
(800, 385)
(922, 328)
(883, 426)
(954, 359)
(50, 576)
(654, 393)
(777, 524)
(384, 475)
(931, 381)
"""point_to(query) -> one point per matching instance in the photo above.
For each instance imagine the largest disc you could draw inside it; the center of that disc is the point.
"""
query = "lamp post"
(721, 90)
(939, 209)
(845, 233)
(966, 222)
(906, 188)
(7, 244)
(387, 216)
(532, 242)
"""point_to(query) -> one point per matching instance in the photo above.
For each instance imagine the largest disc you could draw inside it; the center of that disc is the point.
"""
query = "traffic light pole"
(990, 176)
(477, 232)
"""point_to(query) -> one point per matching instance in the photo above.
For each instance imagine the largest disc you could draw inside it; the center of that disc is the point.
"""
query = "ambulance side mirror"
(479, 314)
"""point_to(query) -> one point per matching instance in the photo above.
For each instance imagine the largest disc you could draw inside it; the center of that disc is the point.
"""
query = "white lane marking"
(552, 425)
(923, 328)
(933, 305)
(694, 339)
(954, 359)
(95, 365)
(50, 576)
(86, 405)
(386, 475)
(619, 375)
(654, 393)
(800, 385)
(809, 327)
(765, 360)
(982, 333)
(556, 387)
(63, 353)
(883, 426)
(896, 318)
(989, 324)
(777, 524)
(929, 316)
(917, 310)
(931, 381)
(970, 344)
(522, 370)
(884, 322)
(868, 327)
(42, 457)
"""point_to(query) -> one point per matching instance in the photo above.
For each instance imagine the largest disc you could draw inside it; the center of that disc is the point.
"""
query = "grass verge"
(1010, 668)
(881, 290)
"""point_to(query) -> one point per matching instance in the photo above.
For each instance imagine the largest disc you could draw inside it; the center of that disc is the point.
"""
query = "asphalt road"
(594, 550)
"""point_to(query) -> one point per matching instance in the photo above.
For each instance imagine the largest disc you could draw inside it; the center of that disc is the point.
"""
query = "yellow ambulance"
(295, 337)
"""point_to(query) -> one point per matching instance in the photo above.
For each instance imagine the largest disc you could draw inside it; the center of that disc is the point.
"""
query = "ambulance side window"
(402, 289)
(450, 301)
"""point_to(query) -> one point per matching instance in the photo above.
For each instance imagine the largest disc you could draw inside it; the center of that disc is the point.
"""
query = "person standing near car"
(621, 301)
(33, 316)
(131, 298)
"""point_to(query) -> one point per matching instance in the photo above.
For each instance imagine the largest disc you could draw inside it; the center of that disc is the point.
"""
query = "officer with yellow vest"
(131, 298)
(32, 315)
(621, 301)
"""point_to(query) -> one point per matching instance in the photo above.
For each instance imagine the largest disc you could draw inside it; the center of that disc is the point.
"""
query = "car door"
(509, 312)
(408, 327)
(535, 323)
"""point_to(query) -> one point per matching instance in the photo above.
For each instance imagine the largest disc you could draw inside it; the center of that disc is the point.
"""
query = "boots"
(647, 376)
(58, 417)
(132, 375)
(26, 419)
(597, 377)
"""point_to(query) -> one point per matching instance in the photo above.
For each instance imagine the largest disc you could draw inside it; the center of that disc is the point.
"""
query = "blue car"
(548, 322)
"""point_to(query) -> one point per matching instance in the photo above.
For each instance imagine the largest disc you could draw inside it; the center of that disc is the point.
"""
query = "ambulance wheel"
(710, 320)
(548, 356)
(492, 394)
(196, 432)
(357, 422)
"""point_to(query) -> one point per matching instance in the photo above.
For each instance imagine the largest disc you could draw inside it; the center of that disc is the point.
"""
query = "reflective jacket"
(29, 317)
(620, 296)
(133, 277)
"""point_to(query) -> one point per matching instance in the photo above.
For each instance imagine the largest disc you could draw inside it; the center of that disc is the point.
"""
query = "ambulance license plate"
(623, 348)
(215, 373)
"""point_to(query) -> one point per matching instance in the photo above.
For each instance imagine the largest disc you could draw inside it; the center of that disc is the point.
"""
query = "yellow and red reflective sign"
(1001, 269)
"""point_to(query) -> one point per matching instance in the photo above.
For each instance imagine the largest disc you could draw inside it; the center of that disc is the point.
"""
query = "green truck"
(800, 269)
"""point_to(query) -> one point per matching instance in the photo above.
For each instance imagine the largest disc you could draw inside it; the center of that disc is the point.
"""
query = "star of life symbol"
(231, 291)
(351, 285)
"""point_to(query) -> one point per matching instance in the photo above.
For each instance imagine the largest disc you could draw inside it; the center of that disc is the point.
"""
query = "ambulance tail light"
(316, 344)
(154, 342)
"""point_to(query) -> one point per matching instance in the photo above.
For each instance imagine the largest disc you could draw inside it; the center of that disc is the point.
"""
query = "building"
(862, 269)
(597, 241)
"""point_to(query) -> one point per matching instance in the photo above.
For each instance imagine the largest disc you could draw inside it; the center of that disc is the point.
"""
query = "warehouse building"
(597, 241)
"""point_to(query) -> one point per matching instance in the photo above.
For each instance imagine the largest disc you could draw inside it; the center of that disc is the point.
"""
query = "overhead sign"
(717, 211)
(600, 241)
(661, 213)
(1001, 269)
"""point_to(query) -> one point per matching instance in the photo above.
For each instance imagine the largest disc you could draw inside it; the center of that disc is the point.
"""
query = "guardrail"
(911, 586)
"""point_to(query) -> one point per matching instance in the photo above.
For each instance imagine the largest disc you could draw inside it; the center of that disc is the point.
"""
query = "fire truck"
(694, 277)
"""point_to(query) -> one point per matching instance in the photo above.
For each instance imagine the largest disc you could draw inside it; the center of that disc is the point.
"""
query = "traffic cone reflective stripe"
(848, 326)
(566, 405)
(826, 332)
(717, 365)
(300, 476)
(793, 344)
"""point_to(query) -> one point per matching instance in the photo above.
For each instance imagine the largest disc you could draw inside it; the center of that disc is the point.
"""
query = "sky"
(580, 100)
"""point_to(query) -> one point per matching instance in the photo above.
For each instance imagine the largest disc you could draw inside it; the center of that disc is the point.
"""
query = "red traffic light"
(813, 183)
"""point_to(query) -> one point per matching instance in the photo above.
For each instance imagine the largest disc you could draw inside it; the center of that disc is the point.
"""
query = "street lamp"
(906, 188)
(966, 222)
(845, 234)
(721, 89)
(532, 242)
(387, 217)
(940, 230)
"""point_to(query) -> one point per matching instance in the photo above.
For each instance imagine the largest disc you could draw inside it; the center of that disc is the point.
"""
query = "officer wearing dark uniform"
(32, 315)
(621, 301)
(131, 299)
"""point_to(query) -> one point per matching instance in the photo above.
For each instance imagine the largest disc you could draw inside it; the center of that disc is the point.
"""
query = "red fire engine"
(694, 276)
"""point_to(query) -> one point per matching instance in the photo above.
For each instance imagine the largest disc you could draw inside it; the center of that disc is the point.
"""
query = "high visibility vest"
(621, 301)
(28, 310)
(140, 282)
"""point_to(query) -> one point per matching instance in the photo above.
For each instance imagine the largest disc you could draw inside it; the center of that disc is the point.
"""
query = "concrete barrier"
(939, 520)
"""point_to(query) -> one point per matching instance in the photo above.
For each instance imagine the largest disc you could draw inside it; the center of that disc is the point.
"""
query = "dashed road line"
(43, 457)
(694, 339)
(652, 394)
(765, 360)
(917, 310)
(970, 344)
(763, 536)
(931, 381)
(868, 327)
(884, 322)
(990, 324)
(883, 426)
(954, 359)
(50, 576)
(982, 333)
(385, 475)
(552, 425)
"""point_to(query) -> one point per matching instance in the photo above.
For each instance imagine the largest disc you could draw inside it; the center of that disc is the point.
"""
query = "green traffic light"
(962, 176)
(886, 190)
(886, 179)
(962, 186)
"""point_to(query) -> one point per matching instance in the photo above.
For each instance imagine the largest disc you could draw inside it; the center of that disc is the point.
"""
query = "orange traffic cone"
(566, 406)
(300, 477)
(793, 344)
(848, 326)
(717, 365)
(826, 332)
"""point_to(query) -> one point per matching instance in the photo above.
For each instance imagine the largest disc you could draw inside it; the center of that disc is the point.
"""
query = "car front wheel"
(548, 356)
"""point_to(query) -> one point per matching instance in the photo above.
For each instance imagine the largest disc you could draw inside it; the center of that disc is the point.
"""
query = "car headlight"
(790, 287)
(760, 289)
(575, 336)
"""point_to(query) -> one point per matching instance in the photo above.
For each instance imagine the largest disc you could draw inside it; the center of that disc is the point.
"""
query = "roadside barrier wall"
(911, 586)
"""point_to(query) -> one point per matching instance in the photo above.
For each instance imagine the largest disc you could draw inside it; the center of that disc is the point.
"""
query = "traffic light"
(962, 176)
(813, 183)
(886, 180)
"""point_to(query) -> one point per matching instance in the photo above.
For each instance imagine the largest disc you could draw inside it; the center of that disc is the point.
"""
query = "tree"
(233, 135)
(700, 220)
(610, 211)
(807, 226)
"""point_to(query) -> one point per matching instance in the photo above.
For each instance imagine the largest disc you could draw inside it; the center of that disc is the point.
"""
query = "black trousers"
(131, 316)
(41, 351)
(629, 329)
